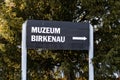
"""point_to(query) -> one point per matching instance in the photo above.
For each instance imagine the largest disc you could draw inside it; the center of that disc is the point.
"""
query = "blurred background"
(104, 15)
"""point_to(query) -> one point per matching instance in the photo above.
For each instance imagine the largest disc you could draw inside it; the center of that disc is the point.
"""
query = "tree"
(15, 12)
(10, 31)
(102, 14)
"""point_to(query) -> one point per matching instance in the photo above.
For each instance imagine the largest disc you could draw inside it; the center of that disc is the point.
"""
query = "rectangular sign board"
(57, 35)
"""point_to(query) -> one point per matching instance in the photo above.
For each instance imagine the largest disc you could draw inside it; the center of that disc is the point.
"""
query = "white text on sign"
(46, 38)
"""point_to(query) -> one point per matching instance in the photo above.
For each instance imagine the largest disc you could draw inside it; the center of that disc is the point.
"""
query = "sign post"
(56, 35)
(91, 54)
(24, 53)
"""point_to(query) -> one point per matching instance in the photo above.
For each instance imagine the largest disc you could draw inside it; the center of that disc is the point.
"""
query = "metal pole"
(91, 54)
(24, 52)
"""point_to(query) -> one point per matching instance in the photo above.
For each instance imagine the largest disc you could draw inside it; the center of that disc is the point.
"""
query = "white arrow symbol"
(79, 38)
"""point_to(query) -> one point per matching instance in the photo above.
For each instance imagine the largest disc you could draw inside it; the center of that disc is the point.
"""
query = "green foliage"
(47, 64)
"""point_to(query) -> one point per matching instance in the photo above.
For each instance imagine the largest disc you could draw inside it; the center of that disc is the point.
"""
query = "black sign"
(57, 35)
